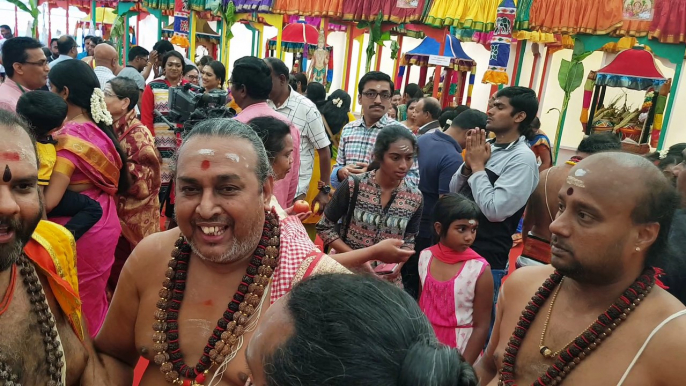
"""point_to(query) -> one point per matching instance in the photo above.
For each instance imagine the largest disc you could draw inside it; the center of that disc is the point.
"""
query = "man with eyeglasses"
(358, 137)
(26, 67)
(66, 46)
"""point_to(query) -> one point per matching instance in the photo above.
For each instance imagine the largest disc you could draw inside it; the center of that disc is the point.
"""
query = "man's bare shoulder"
(152, 250)
(528, 277)
(664, 354)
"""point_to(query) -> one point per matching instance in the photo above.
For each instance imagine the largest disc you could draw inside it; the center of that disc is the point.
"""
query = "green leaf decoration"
(32, 9)
(575, 77)
(395, 47)
(563, 73)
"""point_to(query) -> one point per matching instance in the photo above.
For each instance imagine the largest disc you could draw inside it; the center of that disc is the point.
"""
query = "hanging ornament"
(181, 23)
(500, 44)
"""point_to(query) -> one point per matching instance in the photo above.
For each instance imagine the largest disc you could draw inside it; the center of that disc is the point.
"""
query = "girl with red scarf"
(456, 282)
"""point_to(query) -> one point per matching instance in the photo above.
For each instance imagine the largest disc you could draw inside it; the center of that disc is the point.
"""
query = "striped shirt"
(305, 116)
(357, 145)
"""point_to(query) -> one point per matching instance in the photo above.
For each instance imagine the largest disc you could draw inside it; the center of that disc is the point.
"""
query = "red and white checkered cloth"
(295, 248)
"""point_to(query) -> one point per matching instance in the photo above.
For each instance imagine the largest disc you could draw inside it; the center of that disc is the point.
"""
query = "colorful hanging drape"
(181, 23)
(243, 6)
(500, 44)
(396, 11)
(478, 15)
(669, 21)
(596, 17)
(332, 8)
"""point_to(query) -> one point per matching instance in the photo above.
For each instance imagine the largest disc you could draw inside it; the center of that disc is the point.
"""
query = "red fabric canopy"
(636, 63)
(300, 33)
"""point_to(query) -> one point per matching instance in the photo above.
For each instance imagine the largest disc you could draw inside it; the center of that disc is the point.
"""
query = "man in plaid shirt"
(358, 137)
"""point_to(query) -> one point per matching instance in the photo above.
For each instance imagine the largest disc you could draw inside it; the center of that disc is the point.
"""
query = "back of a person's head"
(272, 132)
(302, 79)
(316, 93)
(433, 107)
(43, 110)
(162, 47)
(596, 143)
(413, 90)
(374, 76)
(359, 330)
(255, 75)
(65, 44)
(205, 60)
(470, 119)
(14, 51)
(522, 99)
(136, 52)
(335, 110)
(125, 88)
(278, 66)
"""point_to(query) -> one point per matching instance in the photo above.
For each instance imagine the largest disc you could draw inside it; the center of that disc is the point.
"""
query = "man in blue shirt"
(440, 155)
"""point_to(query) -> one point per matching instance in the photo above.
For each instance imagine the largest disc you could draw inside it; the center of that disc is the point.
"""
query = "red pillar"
(407, 74)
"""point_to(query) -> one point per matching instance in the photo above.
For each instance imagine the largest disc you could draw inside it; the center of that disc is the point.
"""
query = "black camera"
(190, 98)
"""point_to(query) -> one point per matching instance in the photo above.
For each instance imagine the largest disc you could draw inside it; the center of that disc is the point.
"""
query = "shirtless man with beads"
(189, 298)
(542, 206)
(608, 231)
(43, 339)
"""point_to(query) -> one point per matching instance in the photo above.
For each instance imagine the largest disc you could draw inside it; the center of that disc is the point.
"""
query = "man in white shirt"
(305, 116)
(66, 46)
(106, 59)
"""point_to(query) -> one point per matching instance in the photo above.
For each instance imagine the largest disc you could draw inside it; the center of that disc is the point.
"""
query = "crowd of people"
(105, 204)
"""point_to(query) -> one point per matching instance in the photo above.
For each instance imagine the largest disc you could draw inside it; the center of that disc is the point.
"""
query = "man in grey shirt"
(500, 175)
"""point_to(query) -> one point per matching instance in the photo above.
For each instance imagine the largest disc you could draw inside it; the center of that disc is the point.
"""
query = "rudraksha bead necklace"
(582, 345)
(225, 339)
(48, 329)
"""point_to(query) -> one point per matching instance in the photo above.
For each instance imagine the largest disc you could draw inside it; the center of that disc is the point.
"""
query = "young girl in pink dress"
(457, 285)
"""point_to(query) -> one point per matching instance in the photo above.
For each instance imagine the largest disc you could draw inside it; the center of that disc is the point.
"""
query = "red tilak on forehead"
(205, 165)
(570, 191)
(10, 156)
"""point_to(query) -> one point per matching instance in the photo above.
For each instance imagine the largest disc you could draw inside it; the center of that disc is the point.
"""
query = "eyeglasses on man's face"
(371, 94)
(39, 63)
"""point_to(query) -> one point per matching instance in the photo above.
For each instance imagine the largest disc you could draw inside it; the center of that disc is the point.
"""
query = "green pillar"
(670, 103)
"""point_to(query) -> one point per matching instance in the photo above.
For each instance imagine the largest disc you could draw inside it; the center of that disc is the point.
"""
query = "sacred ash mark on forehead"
(575, 182)
(206, 152)
(472, 222)
(233, 157)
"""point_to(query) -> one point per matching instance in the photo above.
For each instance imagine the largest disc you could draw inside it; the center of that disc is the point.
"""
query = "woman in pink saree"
(90, 162)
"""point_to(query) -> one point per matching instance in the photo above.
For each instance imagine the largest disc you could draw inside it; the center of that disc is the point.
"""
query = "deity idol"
(320, 62)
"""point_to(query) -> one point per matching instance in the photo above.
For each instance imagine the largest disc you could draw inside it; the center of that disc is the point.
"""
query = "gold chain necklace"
(542, 348)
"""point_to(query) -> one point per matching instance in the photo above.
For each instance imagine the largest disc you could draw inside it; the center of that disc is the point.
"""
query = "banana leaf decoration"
(395, 47)
(32, 9)
(117, 33)
(228, 14)
(375, 37)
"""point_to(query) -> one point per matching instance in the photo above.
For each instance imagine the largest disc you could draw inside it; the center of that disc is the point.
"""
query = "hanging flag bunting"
(500, 44)
(182, 15)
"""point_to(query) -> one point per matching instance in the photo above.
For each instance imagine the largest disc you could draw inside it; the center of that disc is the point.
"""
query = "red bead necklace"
(585, 343)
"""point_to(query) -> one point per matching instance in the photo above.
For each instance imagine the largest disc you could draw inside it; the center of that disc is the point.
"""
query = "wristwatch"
(326, 189)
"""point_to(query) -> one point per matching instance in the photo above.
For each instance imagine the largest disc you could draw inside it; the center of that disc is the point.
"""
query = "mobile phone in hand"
(386, 269)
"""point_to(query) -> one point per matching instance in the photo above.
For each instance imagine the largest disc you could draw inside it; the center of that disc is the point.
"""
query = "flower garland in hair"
(337, 102)
(99, 111)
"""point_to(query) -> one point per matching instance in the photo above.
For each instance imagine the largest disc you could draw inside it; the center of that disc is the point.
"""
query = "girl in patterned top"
(457, 285)
(378, 205)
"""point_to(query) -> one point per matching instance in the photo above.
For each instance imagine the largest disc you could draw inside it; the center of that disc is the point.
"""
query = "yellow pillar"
(226, 49)
(348, 42)
(191, 37)
(275, 21)
(360, 39)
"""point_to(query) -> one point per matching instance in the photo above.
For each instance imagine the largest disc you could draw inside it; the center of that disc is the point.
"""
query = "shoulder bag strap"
(351, 209)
